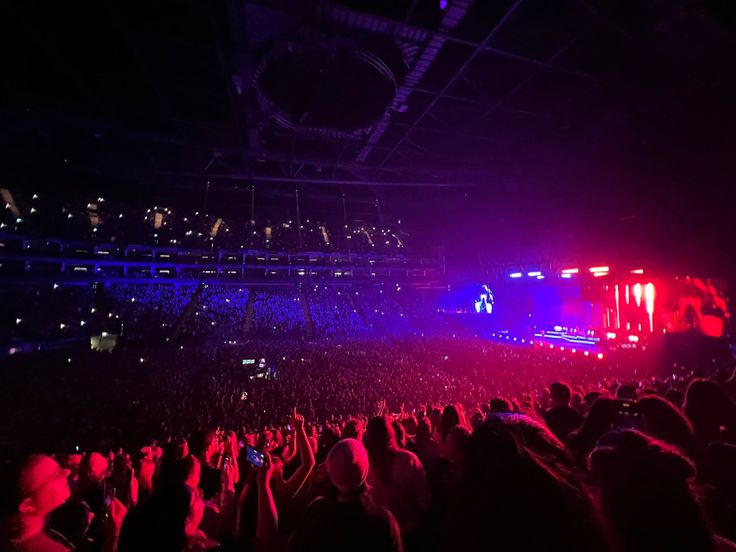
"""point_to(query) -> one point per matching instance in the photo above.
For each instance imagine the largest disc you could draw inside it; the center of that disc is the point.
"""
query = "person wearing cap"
(346, 520)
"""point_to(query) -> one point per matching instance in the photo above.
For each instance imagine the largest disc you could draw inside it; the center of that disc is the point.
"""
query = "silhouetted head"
(379, 437)
(560, 394)
(500, 405)
(450, 418)
(662, 419)
(709, 408)
(627, 392)
(353, 429)
(646, 493)
(424, 429)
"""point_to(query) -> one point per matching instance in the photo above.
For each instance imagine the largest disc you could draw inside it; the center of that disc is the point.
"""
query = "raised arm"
(293, 447)
(268, 518)
(291, 486)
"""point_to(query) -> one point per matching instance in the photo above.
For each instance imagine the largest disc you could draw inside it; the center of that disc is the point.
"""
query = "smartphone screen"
(254, 457)
(627, 415)
(109, 494)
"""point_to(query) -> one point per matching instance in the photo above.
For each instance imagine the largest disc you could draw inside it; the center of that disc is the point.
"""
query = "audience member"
(561, 419)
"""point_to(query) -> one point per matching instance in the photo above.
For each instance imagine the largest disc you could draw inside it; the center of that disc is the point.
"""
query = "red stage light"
(586, 353)
(649, 302)
(637, 294)
(618, 306)
(600, 356)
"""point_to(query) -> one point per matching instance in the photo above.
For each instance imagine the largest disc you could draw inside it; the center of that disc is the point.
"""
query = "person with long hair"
(647, 497)
(710, 409)
(663, 420)
(599, 420)
(518, 491)
(397, 481)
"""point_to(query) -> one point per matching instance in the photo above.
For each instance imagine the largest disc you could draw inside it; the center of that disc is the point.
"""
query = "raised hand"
(263, 474)
(115, 515)
(227, 478)
(297, 420)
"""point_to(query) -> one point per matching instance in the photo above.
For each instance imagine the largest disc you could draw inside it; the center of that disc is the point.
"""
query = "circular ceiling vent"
(334, 89)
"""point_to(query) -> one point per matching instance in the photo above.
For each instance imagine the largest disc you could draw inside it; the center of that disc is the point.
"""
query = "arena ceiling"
(619, 102)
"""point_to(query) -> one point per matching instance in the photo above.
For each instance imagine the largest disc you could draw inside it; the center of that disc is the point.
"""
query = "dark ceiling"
(622, 105)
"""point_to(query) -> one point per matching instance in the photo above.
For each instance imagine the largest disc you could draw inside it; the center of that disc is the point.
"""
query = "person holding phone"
(123, 480)
(561, 419)
(267, 523)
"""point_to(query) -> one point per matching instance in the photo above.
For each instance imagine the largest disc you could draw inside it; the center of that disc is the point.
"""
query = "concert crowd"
(367, 443)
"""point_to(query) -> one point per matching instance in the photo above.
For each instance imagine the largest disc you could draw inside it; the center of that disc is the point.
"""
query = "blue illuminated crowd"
(145, 309)
(220, 309)
(334, 313)
(140, 310)
(277, 310)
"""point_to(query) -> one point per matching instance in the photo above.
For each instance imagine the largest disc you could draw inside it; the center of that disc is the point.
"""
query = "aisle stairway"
(248, 323)
(357, 307)
(101, 309)
(308, 322)
(186, 316)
